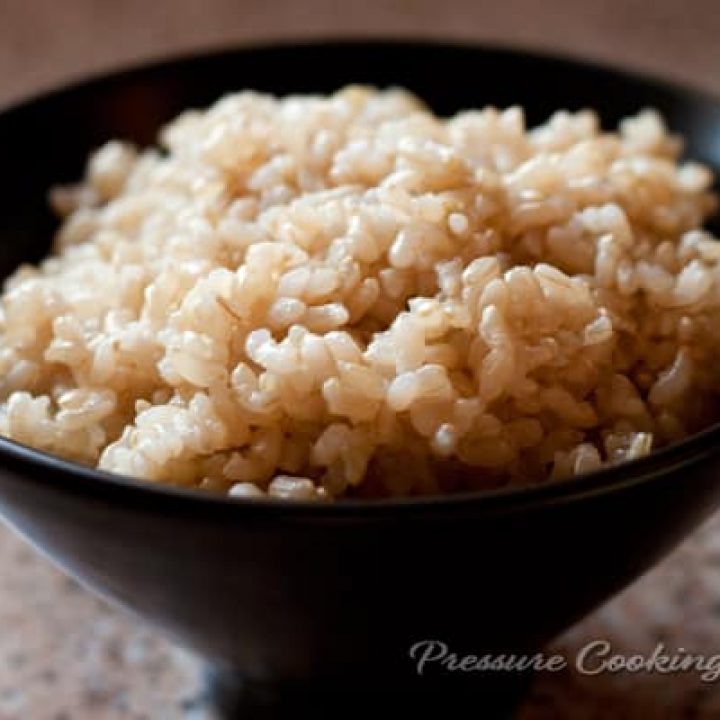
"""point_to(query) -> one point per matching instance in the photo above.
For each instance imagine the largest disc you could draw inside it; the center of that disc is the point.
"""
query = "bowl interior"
(45, 142)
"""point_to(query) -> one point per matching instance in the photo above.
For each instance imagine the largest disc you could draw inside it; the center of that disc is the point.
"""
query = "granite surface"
(67, 656)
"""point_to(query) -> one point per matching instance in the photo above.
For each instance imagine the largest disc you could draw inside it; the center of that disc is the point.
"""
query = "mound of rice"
(317, 297)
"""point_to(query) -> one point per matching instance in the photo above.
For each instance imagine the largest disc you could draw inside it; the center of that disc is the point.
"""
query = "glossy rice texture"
(319, 297)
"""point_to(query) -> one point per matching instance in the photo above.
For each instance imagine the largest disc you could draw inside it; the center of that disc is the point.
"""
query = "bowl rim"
(100, 485)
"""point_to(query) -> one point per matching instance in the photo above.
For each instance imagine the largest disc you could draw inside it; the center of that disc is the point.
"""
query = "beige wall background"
(43, 42)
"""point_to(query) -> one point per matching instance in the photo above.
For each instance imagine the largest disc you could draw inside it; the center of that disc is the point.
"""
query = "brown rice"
(330, 296)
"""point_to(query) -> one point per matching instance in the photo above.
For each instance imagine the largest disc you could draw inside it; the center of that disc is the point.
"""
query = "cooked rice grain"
(317, 297)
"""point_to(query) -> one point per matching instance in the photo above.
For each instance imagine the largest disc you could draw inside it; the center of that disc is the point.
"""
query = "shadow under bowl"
(294, 595)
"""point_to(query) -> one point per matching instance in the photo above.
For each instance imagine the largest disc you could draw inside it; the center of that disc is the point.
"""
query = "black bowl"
(293, 595)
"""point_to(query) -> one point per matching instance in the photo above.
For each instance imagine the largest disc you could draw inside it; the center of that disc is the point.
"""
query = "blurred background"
(65, 655)
(43, 42)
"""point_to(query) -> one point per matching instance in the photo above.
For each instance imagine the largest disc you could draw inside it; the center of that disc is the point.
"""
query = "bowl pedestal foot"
(491, 697)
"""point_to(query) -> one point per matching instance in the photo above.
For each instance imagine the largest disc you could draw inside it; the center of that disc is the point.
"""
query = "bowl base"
(492, 697)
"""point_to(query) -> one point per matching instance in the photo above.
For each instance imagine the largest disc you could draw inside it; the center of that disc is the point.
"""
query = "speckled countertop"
(65, 655)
